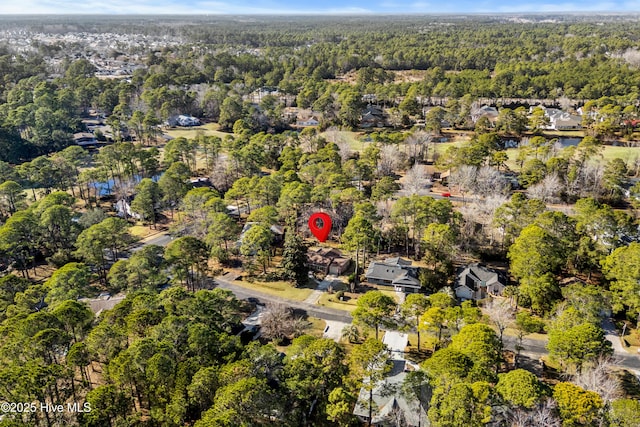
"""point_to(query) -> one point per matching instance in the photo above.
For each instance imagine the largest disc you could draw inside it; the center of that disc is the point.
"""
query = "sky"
(288, 7)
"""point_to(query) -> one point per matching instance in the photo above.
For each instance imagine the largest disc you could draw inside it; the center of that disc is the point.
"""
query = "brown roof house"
(327, 261)
(396, 272)
(476, 282)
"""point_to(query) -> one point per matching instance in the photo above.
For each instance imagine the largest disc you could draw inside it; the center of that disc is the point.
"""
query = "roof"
(327, 256)
(406, 280)
(83, 135)
(397, 261)
(396, 270)
(387, 398)
(475, 276)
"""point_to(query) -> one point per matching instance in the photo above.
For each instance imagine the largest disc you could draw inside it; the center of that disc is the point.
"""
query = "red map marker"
(320, 225)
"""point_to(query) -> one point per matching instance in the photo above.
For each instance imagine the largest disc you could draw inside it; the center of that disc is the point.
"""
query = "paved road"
(160, 239)
(325, 313)
(538, 349)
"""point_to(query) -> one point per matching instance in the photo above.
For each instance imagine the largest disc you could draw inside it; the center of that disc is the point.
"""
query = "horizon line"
(330, 13)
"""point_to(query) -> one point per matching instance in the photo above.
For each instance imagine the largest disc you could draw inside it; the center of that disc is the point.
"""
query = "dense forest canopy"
(191, 64)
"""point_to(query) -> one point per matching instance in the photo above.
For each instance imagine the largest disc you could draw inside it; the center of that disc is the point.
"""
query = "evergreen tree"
(294, 258)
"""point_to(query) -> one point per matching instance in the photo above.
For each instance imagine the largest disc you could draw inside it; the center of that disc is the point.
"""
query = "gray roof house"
(476, 282)
(390, 406)
(396, 272)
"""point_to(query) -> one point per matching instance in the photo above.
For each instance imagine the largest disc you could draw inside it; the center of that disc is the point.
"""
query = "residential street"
(325, 313)
(160, 239)
(537, 348)
(533, 348)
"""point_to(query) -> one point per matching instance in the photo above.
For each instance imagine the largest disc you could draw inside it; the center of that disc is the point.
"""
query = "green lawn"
(628, 154)
(281, 289)
(353, 138)
(316, 327)
(330, 300)
(192, 132)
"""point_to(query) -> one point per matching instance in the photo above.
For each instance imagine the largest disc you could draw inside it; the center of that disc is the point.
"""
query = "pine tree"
(294, 258)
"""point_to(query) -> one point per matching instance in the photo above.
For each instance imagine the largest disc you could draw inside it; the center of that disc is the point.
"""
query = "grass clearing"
(331, 301)
(209, 129)
(280, 289)
(628, 154)
(141, 231)
(316, 327)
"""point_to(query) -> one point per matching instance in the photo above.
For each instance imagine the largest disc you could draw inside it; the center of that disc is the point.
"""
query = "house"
(396, 272)
(84, 139)
(559, 119)
(566, 122)
(277, 232)
(490, 113)
(309, 121)
(200, 182)
(123, 210)
(391, 407)
(183, 120)
(372, 116)
(188, 121)
(476, 282)
(327, 261)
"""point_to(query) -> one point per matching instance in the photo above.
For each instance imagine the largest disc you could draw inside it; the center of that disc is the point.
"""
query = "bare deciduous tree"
(547, 190)
(500, 313)
(345, 150)
(490, 182)
(464, 178)
(481, 213)
(543, 415)
(278, 323)
(415, 180)
(391, 160)
(599, 377)
(221, 177)
(418, 144)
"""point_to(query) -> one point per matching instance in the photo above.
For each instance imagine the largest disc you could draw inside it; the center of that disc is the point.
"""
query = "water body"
(562, 141)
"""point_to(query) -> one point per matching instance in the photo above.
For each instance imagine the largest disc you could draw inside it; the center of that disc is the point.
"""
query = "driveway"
(611, 334)
(334, 329)
(322, 287)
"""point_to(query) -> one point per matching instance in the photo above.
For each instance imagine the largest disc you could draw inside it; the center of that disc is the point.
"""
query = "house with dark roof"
(391, 407)
(396, 272)
(372, 116)
(476, 282)
(84, 139)
(327, 261)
